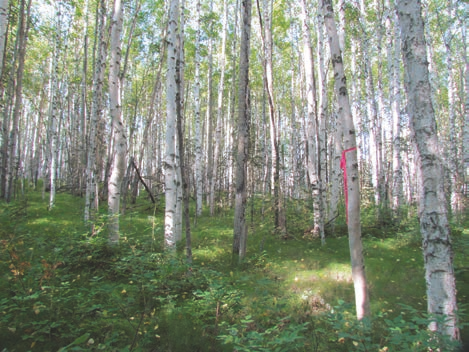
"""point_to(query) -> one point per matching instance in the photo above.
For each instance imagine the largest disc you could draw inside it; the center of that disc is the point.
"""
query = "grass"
(62, 290)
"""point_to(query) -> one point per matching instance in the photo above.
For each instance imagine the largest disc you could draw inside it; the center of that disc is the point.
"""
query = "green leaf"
(83, 338)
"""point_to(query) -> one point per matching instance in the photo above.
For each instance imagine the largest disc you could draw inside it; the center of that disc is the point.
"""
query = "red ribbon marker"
(343, 166)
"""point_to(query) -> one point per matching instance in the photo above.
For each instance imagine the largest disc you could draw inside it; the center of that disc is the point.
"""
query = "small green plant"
(408, 331)
(245, 336)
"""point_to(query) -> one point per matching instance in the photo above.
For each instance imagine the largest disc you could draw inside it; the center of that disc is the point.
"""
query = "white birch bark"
(356, 248)
(265, 19)
(231, 134)
(180, 116)
(456, 178)
(209, 114)
(54, 107)
(466, 108)
(198, 122)
(219, 121)
(171, 152)
(434, 227)
(21, 40)
(4, 12)
(120, 140)
(240, 228)
(91, 195)
(312, 128)
(375, 143)
(393, 53)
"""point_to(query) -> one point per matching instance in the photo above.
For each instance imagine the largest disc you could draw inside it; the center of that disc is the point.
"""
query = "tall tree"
(54, 106)
(20, 56)
(4, 12)
(118, 126)
(240, 228)
(171, 161)
(219, 121)
(312, 128)
(466, 106)
(91, 195)
(209, 111)
(434, 227)
(350, 161)
(394, 48)
(265, 20)
(198, 122)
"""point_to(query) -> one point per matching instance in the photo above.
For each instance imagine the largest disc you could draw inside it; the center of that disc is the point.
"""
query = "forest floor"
(62, 290)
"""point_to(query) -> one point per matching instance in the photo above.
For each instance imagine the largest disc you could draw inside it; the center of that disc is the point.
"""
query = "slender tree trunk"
(232, 119)
(350, 168)
(4, 13)
(54, 109)
(456, 179)
(312, 129)
(171, 154)
(209, 114)
(240, 228)
(466, 111)
(91, 195)
(118, 126)
(185, 185)
(198, 122)
(395, 98)
(434, 227)
(219, 122)
(265, 21)
(13, 155)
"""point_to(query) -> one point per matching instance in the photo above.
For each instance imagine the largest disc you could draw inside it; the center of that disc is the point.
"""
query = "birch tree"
(54, 107)
(118, 126)
(219, 121)
(91, 195)
(4, 12)
(466, 106)
(350, 163)
(456, 178)
(265, 20)
(240, 228)
(198, 122)
(171, 161)
(20, 55)
(393, 48)
(434, 227)
(312, 129)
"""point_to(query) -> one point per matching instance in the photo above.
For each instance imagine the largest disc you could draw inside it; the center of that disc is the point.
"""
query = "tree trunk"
(312, 129)
(198, 122)
(184, 183)
(54, 109)
(209, 113)
(466, 112)
(4, 13)
(171, 154)
(118, 126)
(91, 195)
(434, 227)
(219, 122)
(395, 99)
(265, 21)
(13, 155)
(456, 178)
(349, 156)
(240, 228)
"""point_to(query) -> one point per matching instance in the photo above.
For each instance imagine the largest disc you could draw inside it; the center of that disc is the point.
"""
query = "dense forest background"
(56, 92)
(230, 108)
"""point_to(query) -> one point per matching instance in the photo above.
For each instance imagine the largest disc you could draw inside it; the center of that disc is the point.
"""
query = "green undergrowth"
(63, 289)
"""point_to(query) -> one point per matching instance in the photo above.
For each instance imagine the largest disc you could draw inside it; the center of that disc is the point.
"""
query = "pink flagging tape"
(343, 166)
